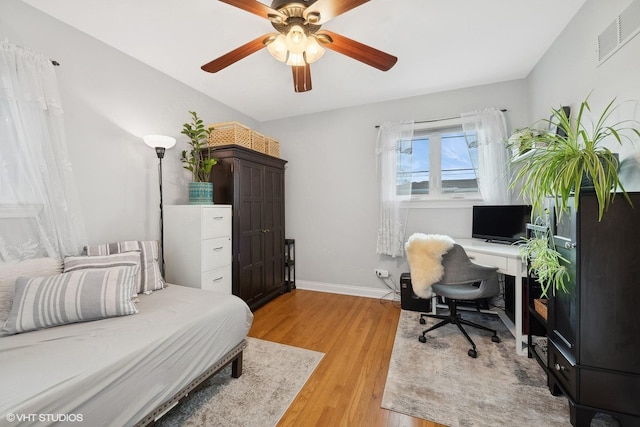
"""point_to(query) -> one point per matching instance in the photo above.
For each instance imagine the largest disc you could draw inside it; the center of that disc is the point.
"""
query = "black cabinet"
(594, 330)
(253, 183)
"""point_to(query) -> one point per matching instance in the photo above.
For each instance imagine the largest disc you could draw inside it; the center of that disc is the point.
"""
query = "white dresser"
(197, 246)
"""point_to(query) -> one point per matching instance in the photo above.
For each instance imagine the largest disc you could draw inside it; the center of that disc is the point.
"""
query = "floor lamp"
(160, 143)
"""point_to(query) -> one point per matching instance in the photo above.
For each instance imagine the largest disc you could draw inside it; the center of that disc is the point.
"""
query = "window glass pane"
(458, 173)
(413, 166)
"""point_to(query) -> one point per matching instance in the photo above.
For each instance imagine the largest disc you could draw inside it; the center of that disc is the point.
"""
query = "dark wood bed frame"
(233, 357)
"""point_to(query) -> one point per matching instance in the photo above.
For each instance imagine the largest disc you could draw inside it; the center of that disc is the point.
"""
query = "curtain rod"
(504, 110)
(53, 61)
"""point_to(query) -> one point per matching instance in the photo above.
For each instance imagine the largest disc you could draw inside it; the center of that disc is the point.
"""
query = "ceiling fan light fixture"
(299, 40)
(296, 39)
(278, 48)
(314, 51)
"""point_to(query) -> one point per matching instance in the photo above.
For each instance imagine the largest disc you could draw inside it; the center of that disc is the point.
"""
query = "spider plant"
(573, 160)
(545, 262)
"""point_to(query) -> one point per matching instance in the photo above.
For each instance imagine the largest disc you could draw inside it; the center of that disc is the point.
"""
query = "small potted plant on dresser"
(200, 189)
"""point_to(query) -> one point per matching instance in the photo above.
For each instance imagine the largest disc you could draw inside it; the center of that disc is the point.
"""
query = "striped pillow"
(151, 277)
(79, 296)
(10, 271)
(131, 259)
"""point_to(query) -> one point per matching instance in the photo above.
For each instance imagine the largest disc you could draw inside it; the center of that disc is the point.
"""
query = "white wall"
(331, 182)
(569, 71)
(111, 100)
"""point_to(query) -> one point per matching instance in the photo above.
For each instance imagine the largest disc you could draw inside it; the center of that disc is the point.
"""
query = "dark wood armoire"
(253, 183)
(594, 330)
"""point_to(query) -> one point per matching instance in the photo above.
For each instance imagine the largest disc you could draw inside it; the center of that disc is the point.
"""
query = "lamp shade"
(159, 141)
(296, 40)
(296, 59)
(314, 51)
(278, 48)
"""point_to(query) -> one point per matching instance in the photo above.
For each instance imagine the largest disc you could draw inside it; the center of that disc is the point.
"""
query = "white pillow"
(10, 271)
(78, 296)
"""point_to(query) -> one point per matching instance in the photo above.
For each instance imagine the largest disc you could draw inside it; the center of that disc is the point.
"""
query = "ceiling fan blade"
(301, 78)
(254, 7)
(329, 9)
(358, 51)
(235, 55)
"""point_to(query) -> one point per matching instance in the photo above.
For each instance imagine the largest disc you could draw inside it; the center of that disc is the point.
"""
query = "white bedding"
(115, 371)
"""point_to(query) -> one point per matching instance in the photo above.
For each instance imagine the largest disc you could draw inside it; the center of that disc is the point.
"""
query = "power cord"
(393, 290)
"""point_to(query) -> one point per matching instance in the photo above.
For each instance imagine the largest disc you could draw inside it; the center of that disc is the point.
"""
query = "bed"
(124, 370)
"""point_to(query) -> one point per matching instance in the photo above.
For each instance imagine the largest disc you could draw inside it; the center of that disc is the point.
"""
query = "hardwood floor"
(356, 335)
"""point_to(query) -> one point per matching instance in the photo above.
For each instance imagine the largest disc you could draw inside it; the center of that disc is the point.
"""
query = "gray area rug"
(273, 375)
(438, 381)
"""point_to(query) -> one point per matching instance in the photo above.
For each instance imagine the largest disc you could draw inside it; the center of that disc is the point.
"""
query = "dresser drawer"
(216, 222)
(215, 253)
(563, 370)
(218, 280)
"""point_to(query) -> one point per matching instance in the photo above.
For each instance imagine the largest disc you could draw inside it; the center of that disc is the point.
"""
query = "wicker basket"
(273, 147)
(230, 133)
(540, 306)
(258, 142)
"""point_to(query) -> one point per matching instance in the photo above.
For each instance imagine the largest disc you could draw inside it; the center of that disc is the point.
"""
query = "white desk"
(507, 259)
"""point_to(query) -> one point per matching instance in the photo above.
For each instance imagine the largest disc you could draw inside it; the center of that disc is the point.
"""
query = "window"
(437, 163)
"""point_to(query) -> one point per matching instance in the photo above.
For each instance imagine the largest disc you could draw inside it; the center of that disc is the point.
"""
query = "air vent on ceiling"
(619, 32)
(608, 41)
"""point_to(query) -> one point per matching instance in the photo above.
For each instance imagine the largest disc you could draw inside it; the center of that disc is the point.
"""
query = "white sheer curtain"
(39, 210)
(392, 220)
(490, 128)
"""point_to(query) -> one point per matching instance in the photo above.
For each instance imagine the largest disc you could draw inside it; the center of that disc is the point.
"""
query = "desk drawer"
(491, 260)
(216, 253)
(216, 222)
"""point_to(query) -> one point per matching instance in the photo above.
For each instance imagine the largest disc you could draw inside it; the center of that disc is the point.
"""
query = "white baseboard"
(334, 288)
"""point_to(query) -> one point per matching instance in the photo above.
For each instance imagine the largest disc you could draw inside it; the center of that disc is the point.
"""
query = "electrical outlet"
(382, 273)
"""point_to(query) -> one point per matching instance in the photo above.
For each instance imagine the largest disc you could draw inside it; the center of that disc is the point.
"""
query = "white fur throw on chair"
(424, 253)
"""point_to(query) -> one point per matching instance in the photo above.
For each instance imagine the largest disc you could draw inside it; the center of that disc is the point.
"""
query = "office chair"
(462, 280)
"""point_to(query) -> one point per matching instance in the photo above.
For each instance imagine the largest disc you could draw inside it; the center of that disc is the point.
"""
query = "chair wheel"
(472, 353)
(423, 321)
(495, 338)
(422, 338)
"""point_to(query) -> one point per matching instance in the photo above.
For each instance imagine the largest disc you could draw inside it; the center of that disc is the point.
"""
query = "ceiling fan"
(300, 41)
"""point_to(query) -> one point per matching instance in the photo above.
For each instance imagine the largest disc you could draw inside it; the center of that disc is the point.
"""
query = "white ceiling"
(440, 45)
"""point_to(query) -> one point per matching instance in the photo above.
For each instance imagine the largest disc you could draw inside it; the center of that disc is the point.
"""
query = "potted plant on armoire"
(591, 251)
(200, 189)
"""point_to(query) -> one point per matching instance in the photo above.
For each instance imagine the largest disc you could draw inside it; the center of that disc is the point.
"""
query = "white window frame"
(438, 199)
